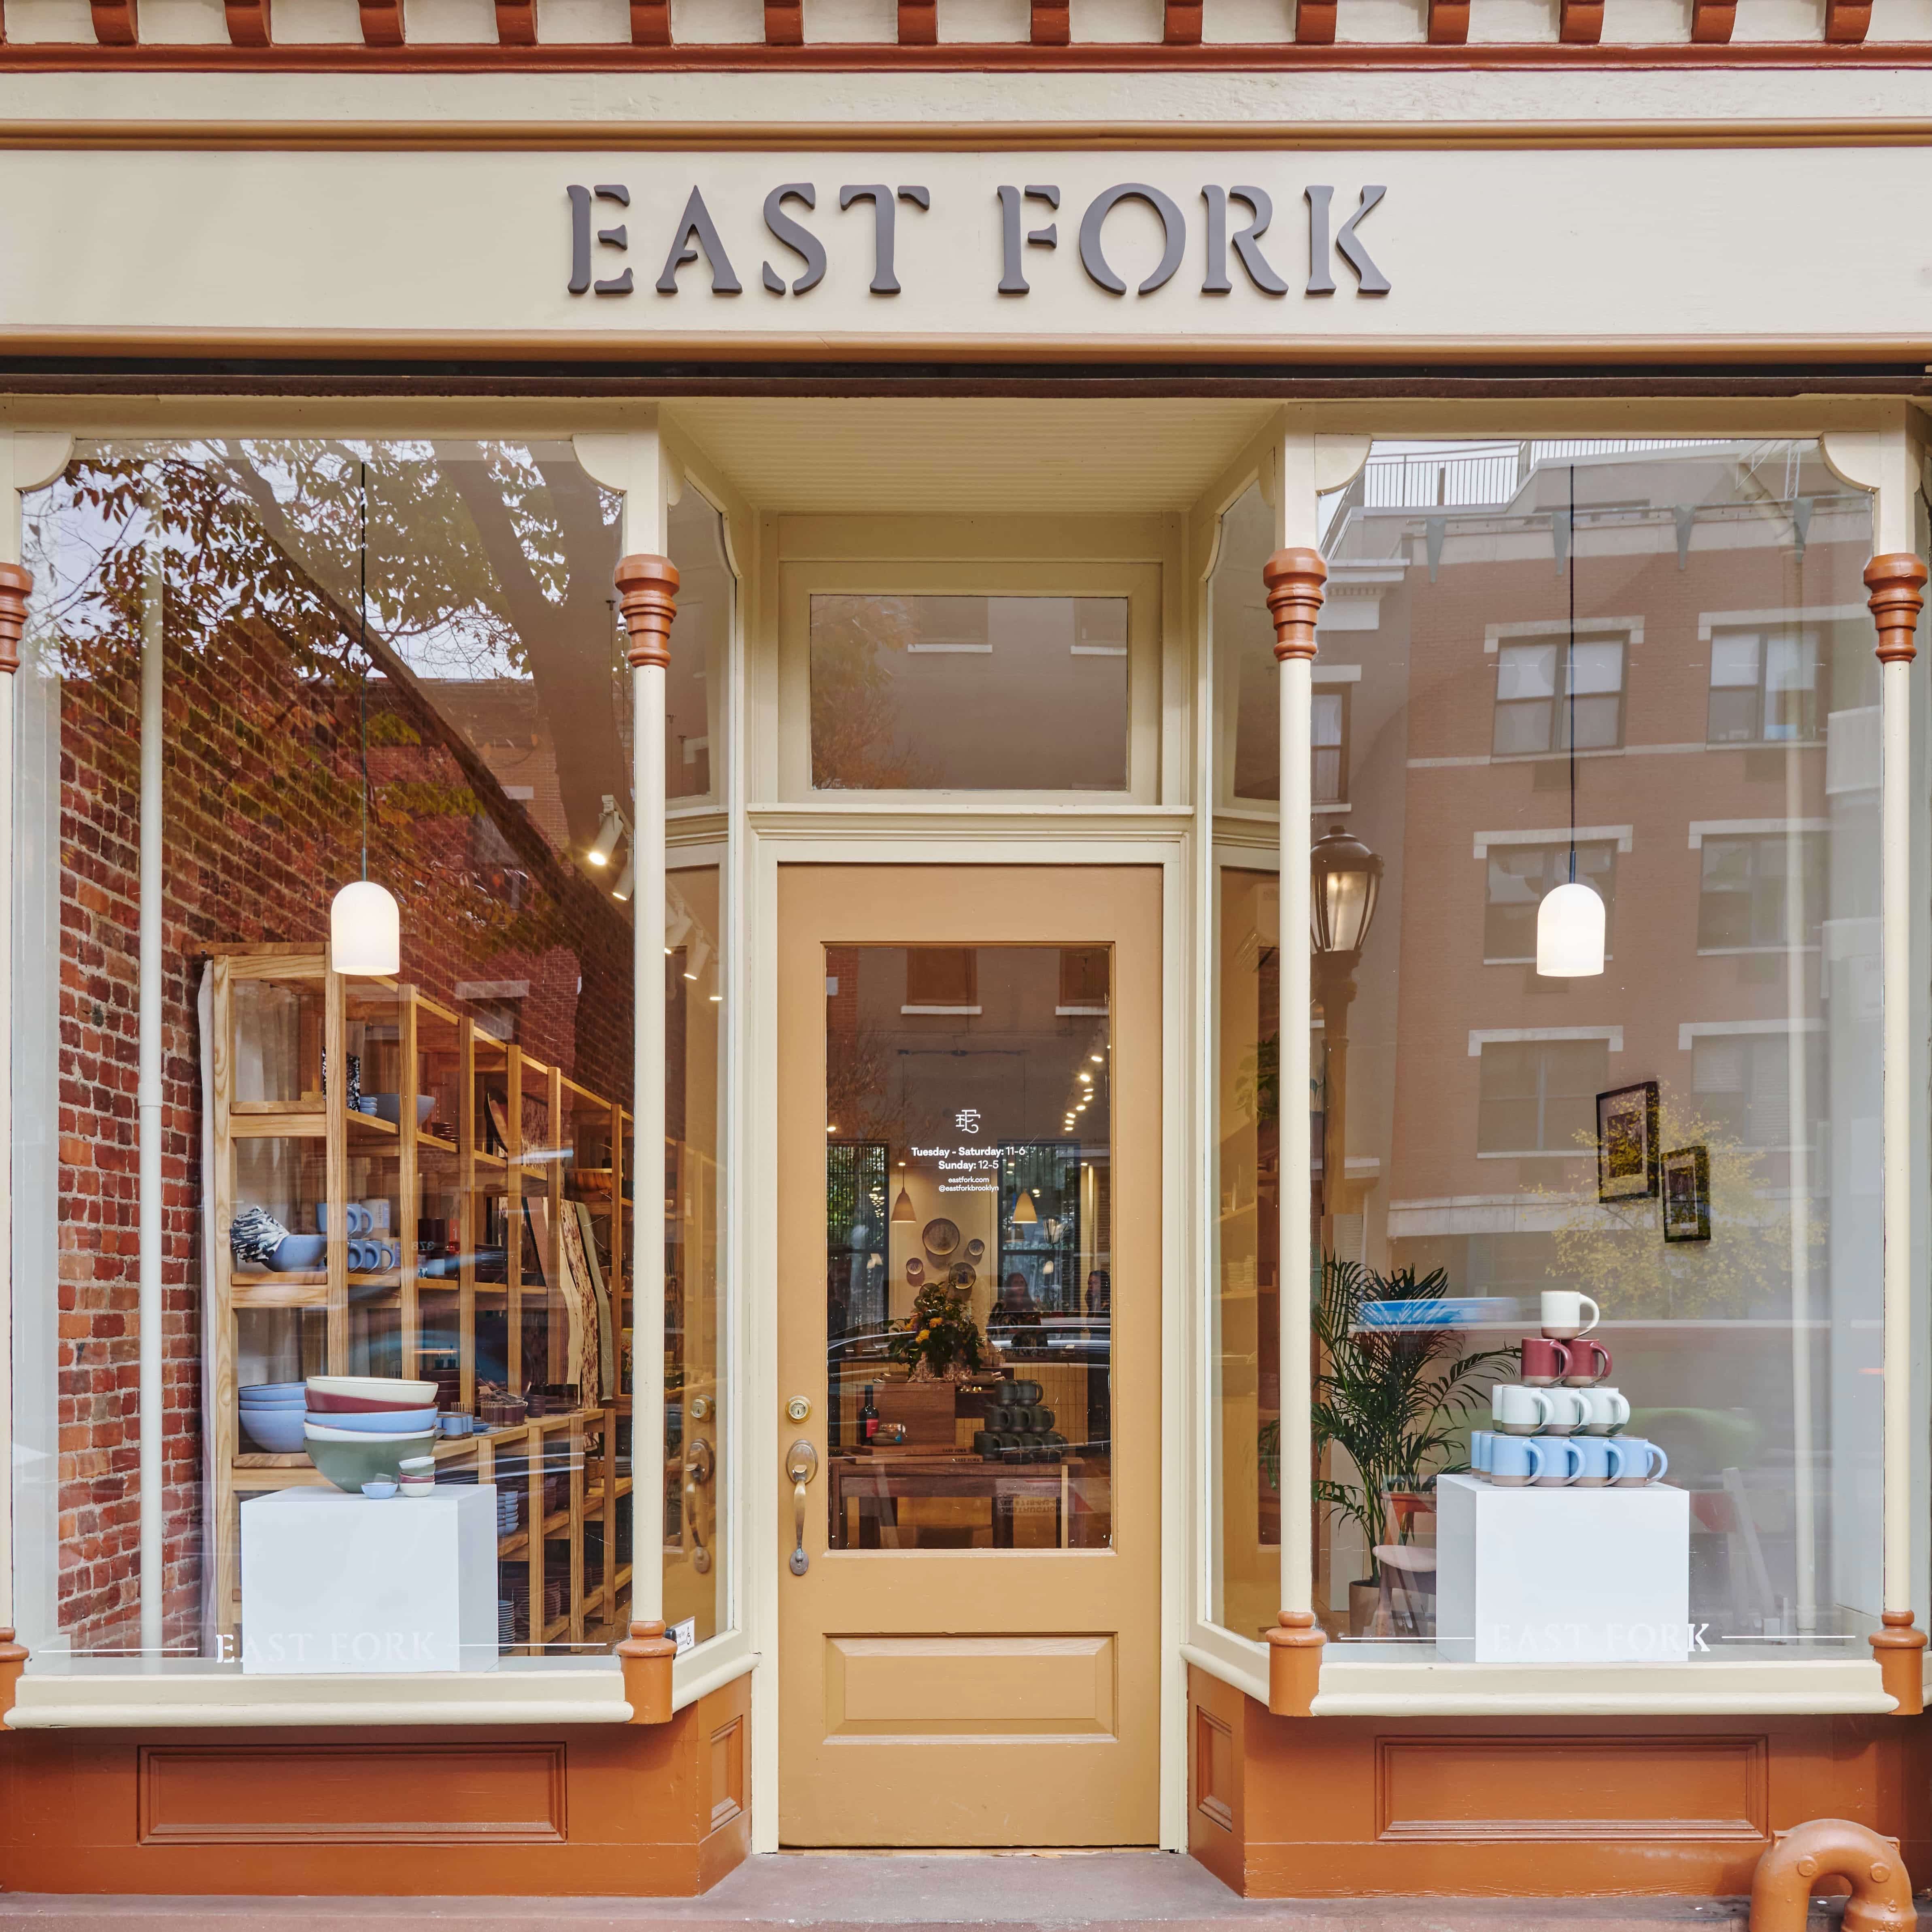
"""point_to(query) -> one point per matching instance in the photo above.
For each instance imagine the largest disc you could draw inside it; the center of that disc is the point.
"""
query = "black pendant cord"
(1570, 666)
(362, 552)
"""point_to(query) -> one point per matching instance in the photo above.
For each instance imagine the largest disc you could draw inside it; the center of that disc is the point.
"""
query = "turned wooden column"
(17, 586)
(1896, 583)
(1295, 581)
(647, 598)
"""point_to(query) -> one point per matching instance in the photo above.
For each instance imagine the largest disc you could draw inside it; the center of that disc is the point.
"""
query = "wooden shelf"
(410, 1045)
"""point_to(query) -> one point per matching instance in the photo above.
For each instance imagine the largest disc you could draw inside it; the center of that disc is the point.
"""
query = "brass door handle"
(801, 1466)
(698, 1466)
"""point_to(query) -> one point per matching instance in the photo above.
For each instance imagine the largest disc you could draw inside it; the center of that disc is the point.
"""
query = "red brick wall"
(262, 814)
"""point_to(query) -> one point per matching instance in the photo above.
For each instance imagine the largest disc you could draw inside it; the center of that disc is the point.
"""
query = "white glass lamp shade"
(1569, 932)
(365, 931)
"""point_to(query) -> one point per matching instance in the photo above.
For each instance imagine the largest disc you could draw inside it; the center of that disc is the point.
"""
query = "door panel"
(969, 1146)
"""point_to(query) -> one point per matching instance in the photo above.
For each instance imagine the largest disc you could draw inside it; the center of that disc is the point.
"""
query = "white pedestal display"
(332, 1583)
(1562, 1576)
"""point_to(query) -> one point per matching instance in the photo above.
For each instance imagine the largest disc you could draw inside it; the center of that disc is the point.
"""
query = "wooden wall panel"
(598, 1810)
(1329, 1807)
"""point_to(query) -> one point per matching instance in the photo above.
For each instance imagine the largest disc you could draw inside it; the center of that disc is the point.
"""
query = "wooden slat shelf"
(410, 1045)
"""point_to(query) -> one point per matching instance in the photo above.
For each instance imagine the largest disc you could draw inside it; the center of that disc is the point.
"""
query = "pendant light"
(902, 1208)
(1024, 1212)
(365, 922)
(1570, 922)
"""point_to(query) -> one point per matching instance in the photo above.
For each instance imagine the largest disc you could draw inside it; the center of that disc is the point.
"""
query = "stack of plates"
(506, 1512)
(271, 1417)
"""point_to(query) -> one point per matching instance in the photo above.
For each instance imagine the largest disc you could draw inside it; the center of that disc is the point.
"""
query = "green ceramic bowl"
(349, 1461)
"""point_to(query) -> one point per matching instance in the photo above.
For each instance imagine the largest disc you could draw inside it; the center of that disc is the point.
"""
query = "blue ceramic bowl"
(278, 1431)
(298, 1407)
(273, 1388)
(298, 1252)
(382, 1422)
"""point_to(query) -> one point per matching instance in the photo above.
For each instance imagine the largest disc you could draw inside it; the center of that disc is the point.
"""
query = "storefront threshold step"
(1094, 1892)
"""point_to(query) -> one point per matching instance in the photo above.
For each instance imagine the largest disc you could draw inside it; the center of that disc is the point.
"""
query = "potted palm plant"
(1390, 1394)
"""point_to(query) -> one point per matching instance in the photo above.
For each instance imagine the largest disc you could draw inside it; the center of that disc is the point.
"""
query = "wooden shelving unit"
(499, 1139)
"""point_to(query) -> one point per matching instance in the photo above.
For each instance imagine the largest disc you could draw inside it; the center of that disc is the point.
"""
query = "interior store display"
(451, 1354)
(333, 1583)
(1571, 1574)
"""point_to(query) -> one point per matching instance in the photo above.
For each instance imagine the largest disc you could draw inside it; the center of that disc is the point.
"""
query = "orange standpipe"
(1881, 1899)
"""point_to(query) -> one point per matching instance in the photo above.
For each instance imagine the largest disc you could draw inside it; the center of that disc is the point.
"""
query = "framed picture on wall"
(1627, 1161)
(1687, 1194)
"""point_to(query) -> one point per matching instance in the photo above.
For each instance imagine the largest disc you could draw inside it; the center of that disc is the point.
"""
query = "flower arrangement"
(939, 1337)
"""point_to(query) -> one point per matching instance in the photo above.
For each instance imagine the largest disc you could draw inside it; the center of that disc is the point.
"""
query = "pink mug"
(1544, 1362)
(1589, 1362)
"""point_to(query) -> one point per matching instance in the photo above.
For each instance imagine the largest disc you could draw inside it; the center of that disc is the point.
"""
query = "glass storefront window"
(1648, 668)
(969, 1256)
(398, 1220)
(969, 694)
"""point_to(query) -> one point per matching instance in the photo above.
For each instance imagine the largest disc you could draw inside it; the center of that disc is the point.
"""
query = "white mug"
(1569, 1411)
(1610, 1409)
(1518, 1411)
(1563, 1313)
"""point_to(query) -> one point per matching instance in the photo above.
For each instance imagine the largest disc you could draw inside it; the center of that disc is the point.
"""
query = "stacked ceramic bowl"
(359, 1429)
(271, 1417)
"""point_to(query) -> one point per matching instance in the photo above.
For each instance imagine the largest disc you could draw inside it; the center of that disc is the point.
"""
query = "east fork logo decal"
(1232, 225)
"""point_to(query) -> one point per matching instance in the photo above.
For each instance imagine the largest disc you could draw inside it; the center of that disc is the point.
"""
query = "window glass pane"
(969, 1256)
(969, 694)
(423, 1179)
(700, 638)
(1461, 1101)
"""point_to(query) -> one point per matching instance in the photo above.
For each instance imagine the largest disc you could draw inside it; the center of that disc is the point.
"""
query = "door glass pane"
(969, 1261)
(969, 694)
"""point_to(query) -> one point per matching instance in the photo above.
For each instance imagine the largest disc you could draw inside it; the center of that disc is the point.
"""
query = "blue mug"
(1562, 1462)
(1605, 1460)
(1480, 1450)
(1517, 1461)
(1643, 1462)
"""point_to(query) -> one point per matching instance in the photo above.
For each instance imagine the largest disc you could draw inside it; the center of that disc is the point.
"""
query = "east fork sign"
(1235, 226)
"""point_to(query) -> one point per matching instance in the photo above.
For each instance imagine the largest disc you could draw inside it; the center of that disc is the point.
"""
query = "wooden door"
(969, 1111)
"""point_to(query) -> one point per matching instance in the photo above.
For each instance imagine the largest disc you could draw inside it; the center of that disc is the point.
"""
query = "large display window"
(395, 1251)
(1596, 1055)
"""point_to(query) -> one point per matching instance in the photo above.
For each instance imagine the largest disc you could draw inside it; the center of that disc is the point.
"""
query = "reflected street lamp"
(1345, 880)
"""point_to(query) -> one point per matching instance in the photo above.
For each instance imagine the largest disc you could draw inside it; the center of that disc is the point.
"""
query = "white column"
(646, 585)
(1293, 576)
(148, 1097)
(1896, 580)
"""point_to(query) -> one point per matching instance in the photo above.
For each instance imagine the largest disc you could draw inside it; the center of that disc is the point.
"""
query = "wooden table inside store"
(869, 1485)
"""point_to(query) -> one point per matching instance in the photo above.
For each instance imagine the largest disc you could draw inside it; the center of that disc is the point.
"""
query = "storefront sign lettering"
(1233, 223)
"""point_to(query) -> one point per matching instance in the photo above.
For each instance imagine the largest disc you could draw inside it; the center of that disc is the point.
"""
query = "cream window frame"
(1304, 454)
(1138, 581)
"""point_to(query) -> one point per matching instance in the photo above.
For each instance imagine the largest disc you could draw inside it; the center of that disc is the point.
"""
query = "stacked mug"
(1560, 1427)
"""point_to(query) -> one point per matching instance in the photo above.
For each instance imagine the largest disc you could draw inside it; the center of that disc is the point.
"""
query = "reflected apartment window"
(1328, 723)
(1539, 1096)
(1764, 686)
(1533, 687)
(1742, 899)
(1520, 875)
(1744, 1084)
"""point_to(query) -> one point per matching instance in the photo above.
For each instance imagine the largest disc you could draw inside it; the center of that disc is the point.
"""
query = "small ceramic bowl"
(378, 1491)
(350, 1393)
(297, 1252)
(276, 1432)
(389, 1107)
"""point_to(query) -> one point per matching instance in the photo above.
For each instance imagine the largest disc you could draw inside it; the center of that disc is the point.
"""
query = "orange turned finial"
(646, 1655)
(1896, 581)
(1899, 1649)
(647, 596)
(1881, 1899)
(1294, 1664)
(17, 586)
(1294, 579)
